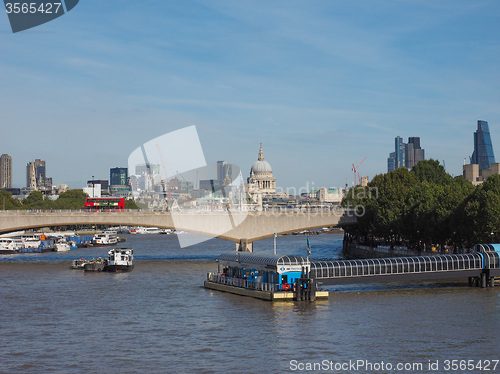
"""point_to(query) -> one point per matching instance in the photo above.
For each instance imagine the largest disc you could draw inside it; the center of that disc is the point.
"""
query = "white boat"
(146, 230)
(106, 238)
(120, 259)
(31, 241)
(61, 245)
(10, 245)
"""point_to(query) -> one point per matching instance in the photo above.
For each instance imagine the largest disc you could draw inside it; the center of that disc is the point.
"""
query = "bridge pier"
(244, 246)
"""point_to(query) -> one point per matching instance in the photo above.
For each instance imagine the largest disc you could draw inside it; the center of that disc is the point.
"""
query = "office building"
(5, 171)
(147, 169)
(405, 154)
(224, 170)
(483, 149)
(118, 176)
(36, 178)
(482, 162)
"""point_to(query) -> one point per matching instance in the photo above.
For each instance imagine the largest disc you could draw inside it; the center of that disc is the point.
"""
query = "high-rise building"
(483, 149)
(391, 161)
(224, 169)
(148, 169)
(399, 148)
(36, 175)
(405, 154)
(5, 171)
(414, 151)
(220, 171)
(118, 176)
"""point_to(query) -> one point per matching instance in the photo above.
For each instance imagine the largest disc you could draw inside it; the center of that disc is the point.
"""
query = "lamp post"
(93, 186)
(492, 233)
(418, 240)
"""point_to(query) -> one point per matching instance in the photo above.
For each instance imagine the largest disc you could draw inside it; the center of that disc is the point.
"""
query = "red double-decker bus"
(104, 204)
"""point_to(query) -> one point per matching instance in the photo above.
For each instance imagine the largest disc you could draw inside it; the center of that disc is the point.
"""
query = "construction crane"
(355, 170)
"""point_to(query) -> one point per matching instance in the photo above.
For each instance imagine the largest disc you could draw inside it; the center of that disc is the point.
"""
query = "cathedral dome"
(259, 167)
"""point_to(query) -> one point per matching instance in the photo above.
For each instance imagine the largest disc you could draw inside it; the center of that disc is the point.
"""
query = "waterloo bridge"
(243, 228)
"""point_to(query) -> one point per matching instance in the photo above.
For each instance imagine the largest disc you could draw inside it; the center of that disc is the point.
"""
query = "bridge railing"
(243, 283)
(294, 211)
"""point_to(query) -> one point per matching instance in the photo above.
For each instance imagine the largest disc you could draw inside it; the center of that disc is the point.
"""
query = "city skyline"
(321, 84)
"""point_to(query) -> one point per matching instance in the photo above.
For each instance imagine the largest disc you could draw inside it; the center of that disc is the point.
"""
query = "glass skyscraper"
(405, 154)
(118, 176)
(483, 149)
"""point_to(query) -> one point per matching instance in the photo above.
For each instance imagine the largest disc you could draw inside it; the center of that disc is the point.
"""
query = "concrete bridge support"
(244, 246)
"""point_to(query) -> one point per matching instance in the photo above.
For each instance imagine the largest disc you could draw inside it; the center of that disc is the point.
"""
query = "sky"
(322, 84)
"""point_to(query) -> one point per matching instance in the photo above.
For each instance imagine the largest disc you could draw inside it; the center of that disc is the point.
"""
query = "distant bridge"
(241, 227)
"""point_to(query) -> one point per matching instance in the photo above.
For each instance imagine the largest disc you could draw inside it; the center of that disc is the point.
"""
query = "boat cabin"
(280, 270)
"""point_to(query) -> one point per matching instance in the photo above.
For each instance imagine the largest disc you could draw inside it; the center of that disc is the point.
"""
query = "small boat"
(79, 264)
(120, 259)
(61, 245)
(106, 238)
(96, 264)
(10, 245)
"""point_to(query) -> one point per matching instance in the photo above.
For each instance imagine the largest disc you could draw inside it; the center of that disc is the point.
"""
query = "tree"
(130, 204)
(71, 199)
(35, 200)
(7, 202)
(431, 171)
(425, 204)
(481, 211)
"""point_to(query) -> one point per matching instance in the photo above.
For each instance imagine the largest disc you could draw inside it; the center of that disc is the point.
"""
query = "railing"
(292, 211)
(242, 283)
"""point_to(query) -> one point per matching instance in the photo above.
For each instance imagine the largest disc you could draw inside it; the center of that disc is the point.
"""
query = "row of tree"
(427, 205)
(71, 199)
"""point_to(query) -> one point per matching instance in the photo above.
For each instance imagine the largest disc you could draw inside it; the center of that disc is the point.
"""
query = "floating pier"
(273, 277)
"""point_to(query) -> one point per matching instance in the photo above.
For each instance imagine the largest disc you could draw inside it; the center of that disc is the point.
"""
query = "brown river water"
(159, 319)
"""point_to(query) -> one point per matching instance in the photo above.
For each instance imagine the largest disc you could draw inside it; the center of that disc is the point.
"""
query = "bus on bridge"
(104, 204)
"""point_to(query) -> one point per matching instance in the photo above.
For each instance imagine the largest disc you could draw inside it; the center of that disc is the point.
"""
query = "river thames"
(159, 319)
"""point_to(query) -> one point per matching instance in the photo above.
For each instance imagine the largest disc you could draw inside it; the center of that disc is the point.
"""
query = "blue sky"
(322, 84)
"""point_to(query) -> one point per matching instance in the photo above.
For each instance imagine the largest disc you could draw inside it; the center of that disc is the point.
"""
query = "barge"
(264, 276)
(119, 259)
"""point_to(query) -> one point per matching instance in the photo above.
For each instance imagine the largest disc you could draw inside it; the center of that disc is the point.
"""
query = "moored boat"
(106, 238)
(10, 245)
(120, 259)
(61, 245)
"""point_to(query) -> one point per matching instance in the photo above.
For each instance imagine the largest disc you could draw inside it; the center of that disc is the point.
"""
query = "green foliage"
(431, 171)
(71, 199)
(7, 202)
(425, 204)
(481, 212)
(35, 200)
(130, 204)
